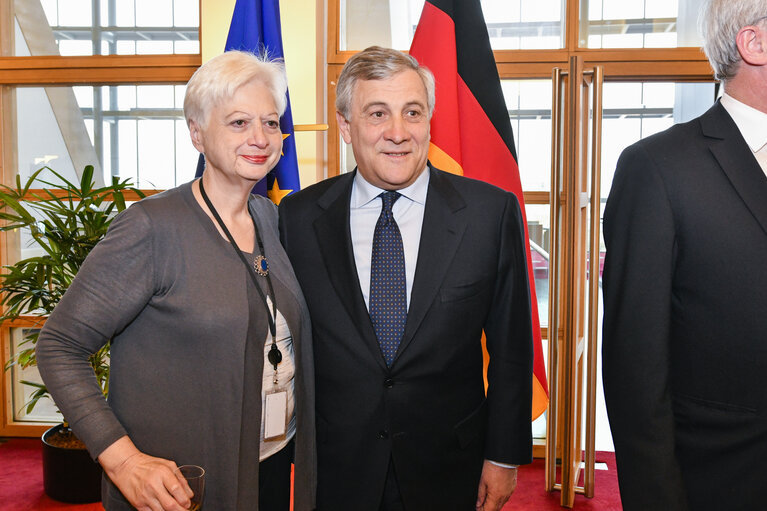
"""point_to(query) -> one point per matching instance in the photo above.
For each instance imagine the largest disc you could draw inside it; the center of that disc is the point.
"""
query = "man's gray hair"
(377, 63)
(720, 21)
(218, 79)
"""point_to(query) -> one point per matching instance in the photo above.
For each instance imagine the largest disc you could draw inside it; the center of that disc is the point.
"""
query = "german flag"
(470, 131)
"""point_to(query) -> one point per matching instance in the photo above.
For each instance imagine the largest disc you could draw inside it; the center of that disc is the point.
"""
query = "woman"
(198, 297)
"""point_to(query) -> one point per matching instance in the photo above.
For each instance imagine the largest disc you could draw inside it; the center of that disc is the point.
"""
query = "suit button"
(388, 383)
(383, 434)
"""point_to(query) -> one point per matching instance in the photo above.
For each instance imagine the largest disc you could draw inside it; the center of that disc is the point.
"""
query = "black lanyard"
(275, 355)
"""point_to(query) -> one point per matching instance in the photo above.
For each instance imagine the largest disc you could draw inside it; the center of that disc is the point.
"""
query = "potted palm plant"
(65, 220)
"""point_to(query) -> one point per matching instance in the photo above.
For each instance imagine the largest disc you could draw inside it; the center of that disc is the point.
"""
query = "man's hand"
(495, 486)
(149, 483)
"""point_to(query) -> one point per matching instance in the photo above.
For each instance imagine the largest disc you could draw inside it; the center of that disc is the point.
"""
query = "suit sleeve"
(637, 285)
(509, 335)
(114, 284)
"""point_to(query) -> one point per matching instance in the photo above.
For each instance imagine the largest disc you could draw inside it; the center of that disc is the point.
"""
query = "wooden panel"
(634, 54)
(572, 231)
(6, 29)
(310, 127)
(572, 23)
(6, 401)
(321, 92)
(25, 322)
(8, 158)
(334, 137)
(530, 56)
(536, 197)
(99, 61)
(555, 208)
(634, 70)
(24, 429)
(95, 70)
(97, 76)
(648, 71)
(528, 69)
(594, 287)
(335, 56)
(36, 193)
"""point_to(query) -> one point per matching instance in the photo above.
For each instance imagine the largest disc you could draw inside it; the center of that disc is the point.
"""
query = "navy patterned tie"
(388, 300)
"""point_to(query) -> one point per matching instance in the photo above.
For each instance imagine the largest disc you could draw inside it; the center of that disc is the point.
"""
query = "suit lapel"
(443, 228)
(737, 161)
(334, 239)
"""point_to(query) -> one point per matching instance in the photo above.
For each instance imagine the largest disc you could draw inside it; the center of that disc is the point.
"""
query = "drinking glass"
(195, 478)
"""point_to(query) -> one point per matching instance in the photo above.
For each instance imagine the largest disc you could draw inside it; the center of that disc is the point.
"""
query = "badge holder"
(275, 402)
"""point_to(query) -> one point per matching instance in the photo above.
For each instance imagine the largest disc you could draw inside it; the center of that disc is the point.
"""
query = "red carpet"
(21, 479)
(531, 496)
(21, 484)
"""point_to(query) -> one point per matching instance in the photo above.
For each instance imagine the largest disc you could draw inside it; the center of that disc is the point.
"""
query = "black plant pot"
(69, 475)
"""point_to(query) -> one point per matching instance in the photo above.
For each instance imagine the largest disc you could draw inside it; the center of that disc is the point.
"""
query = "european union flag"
(256, 28)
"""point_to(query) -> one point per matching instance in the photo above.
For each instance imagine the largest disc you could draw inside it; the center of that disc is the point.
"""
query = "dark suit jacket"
(428, 412)
(685, 325)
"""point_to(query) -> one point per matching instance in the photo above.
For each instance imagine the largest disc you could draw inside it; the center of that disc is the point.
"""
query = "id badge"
(275, 413)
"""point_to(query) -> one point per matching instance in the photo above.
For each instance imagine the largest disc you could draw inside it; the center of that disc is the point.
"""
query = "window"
(45, 410)
(107, 27)
(133, 132)
(89, 82)
(640, 24)
(512, 25)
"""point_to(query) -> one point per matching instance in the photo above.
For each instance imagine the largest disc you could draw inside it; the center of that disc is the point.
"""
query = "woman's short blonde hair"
(219, 78)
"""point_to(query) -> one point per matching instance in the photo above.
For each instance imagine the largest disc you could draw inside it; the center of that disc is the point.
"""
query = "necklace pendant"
(261, 266)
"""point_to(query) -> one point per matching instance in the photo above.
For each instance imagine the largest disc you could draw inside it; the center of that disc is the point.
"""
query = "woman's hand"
(149, 483)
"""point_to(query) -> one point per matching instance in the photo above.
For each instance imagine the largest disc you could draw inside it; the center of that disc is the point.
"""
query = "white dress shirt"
(364, 210)
(752, 124)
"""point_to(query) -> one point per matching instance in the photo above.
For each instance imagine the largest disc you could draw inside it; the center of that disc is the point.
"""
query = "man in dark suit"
(403, 420)
(685, 290)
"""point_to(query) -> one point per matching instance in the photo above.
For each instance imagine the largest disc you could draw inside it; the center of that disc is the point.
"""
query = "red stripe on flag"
(486, 157)
(462, 129)
(442, 63)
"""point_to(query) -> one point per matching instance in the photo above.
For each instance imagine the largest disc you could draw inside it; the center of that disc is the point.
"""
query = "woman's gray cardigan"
(171, 294)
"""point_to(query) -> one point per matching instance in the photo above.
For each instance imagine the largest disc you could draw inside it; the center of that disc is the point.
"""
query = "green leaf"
(86, 182)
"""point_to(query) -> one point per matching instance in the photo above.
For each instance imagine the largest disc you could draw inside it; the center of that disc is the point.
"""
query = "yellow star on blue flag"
(276, 194)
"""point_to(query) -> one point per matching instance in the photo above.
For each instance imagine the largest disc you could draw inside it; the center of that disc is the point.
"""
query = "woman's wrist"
(114, 457)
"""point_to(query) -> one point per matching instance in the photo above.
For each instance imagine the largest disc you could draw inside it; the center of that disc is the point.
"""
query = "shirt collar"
(751, 122)
(364, 192)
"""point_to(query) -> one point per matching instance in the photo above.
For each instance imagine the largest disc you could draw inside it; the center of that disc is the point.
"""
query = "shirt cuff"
(504, 465)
